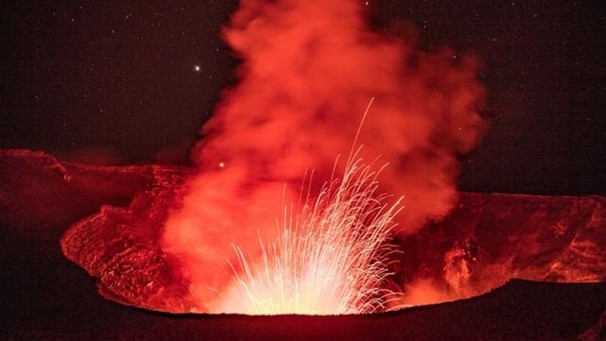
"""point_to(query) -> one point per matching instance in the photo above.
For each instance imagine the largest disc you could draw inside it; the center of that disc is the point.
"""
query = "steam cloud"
(308, 70)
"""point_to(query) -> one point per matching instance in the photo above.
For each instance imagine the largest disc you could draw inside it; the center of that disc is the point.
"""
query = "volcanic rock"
(110, 218)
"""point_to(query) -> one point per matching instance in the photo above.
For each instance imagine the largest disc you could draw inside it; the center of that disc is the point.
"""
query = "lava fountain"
(329, 259)
(302, 84)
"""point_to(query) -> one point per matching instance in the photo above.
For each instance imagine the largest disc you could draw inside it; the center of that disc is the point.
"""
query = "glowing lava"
(330, 258)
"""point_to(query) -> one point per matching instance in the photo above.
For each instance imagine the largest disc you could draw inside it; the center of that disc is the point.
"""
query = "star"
(197, 68)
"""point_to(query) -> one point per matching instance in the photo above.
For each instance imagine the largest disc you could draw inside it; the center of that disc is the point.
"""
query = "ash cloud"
(308, 70)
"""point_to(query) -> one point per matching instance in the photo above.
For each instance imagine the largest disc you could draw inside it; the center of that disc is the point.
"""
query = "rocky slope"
(109, 219)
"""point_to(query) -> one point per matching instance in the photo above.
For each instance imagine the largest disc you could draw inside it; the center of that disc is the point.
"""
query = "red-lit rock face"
(121, 247)
(486, 240)
(48, 298)
(490, 238)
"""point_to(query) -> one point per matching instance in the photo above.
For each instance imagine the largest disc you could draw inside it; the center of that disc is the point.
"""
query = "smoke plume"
(308, 70)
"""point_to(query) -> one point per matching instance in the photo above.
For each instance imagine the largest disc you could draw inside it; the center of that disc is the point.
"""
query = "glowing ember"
(330, 258)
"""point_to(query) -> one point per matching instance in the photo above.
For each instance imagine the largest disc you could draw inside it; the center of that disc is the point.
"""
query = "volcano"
(504, 266)
(291, 197)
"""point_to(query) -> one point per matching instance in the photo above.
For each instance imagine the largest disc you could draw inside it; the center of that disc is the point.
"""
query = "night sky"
(132, 81)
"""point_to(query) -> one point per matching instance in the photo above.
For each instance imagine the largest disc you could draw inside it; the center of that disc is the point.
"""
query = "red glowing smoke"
(308, 70)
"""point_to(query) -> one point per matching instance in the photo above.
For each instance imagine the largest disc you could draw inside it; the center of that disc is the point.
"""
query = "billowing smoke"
(309, 69)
